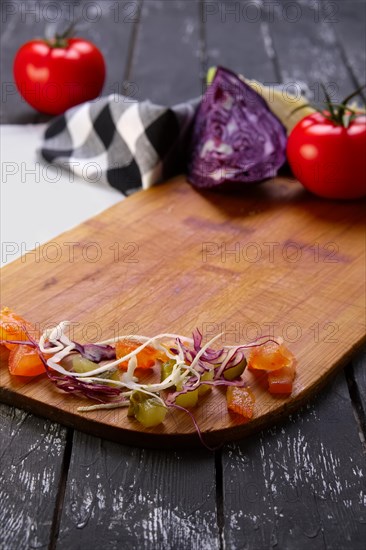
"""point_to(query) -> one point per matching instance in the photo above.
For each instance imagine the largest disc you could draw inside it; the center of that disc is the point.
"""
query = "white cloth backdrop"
(38, 202)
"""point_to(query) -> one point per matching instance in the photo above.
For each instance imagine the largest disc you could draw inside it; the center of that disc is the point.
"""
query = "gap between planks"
(132, 44)
(55, 527)
(356, 403)
(220, 510)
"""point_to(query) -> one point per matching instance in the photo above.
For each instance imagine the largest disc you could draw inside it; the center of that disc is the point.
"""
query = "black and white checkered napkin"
(126, 144)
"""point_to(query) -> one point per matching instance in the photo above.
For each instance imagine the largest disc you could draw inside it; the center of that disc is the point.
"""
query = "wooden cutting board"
(273, 260)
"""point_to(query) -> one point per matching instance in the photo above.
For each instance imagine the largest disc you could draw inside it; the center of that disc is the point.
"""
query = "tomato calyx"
(61, 40)
(340, 114)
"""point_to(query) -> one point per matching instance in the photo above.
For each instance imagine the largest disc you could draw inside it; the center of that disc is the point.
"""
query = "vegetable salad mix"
(108, 373)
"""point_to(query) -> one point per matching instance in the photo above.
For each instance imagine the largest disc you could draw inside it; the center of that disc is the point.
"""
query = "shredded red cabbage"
(91, 390)
(96, 352)
(236, 138)
(210, 355)
(21, 342)
(70, 384)
(199, 433)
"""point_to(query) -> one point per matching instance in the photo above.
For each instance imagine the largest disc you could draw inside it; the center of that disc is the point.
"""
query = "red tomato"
(52, 79)
(329, 159)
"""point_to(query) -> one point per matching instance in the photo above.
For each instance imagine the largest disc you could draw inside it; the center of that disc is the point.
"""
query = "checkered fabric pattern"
(125, 144)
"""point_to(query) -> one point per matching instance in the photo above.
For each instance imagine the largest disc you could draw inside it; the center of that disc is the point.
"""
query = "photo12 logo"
(90, 332)
(71, 252)
(290, 331)
(52, 12)
(255, 11)
(271, 252)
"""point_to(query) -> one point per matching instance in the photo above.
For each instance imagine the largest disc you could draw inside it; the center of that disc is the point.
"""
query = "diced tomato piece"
(280, 381)
(240, 400)
(25, 361)
(259, 378)
(145, 359)
(269, 357)
(11, 327)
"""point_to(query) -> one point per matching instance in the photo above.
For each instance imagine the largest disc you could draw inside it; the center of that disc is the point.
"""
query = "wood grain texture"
(301, 483)
(121, 497)
(31, 461)
(310, 290)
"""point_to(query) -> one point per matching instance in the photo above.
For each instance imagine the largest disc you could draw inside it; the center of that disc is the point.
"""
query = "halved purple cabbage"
(236, 138)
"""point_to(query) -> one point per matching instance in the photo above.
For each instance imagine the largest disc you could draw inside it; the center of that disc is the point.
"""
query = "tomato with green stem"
(54, 75)
(327, 151)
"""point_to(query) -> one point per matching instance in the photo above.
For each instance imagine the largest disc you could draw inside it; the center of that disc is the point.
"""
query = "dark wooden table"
(297, 485)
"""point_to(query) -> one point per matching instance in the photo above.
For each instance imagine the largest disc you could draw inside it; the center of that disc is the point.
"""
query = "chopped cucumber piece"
(236, 371)
(187, 400)
(112, 376)
(78, 363)
(150, 413)
(147, 410)
(136, 398)
(208, 375)
(166, 370)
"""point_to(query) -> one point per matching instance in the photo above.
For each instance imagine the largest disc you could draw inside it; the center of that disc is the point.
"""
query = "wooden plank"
(166, 64)
(315, 302)
(317, 47)
(38, 474)
(109, 24)
(150, 501)
(27, 442)
(235, 33)
(301, 483)
(307, 49)
(349, 26)
(32, 452)
(129, 498)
